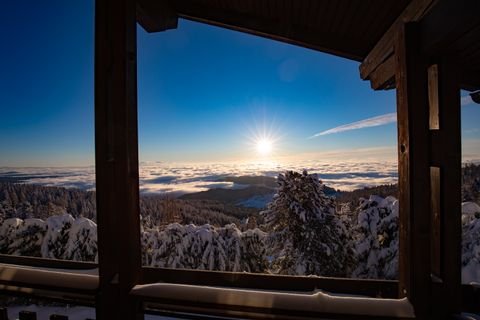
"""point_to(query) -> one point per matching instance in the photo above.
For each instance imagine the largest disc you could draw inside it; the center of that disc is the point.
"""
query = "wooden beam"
(436, 243)
(447, 22)
(414, 169)
(384, 48)
(269, 28)
(469, 80)
(46, 262)
(155, 16)
(203, 311)
(434, 122)
(367, 287)
(383, 78)
(450, 191)
(470, 299)
(116, 158)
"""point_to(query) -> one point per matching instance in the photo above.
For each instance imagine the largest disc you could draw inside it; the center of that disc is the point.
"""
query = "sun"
(264, 139)
(264, 146)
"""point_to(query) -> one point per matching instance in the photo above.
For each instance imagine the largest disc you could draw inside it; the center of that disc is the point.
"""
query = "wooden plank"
(116, 158)
(470, 299)
(204, 311)
(271, 29)
(155, 16)
(446, 155)
(3, 313)
(436, 247)
(450, 192)
(433, 96)
(469, 80)
(447, 22)
(384, 76)
(373, 288)
(414, 169)
(384, 48)
(47, 263)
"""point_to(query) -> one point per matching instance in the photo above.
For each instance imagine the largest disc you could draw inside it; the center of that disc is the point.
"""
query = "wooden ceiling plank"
(357, 10)
(155, 16)
(384, 48)
(447, 22)
(336, 18)
(315, 15)
(364, 29)
(470, 80)
(298, 12)
(468, 43)
(327, 14)
(385, 17)
(269, 28)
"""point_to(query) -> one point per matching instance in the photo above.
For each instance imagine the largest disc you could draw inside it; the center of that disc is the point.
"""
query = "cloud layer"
(178, 178)
(366, 123)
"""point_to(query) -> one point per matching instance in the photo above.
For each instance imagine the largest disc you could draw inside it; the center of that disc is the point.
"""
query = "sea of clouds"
(178, 178)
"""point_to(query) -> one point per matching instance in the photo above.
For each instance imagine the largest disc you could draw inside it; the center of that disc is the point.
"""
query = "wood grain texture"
(384, 47)
(116, 158)
(414, 169)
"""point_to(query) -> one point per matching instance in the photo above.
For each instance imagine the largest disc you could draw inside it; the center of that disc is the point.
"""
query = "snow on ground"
(73, 313)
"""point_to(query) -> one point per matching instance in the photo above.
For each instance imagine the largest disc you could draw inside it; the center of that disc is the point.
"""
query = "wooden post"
(450, 158)
(116, 158)
(3, 313)
(414, 169)
(27, 315)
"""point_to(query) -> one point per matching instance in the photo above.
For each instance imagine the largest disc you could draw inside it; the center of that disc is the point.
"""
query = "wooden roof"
(347, 28)
(361, 30)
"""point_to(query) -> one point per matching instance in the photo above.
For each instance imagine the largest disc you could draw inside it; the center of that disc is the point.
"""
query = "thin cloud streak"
(376, 121)
(366, 123)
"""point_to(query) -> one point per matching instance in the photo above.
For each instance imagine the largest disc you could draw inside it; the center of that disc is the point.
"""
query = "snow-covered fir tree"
(376, 238)
(55, 242)
(59, 237)
(22, 237)
(205, 247)
(305, 235)
(470, 242)
(82, 241)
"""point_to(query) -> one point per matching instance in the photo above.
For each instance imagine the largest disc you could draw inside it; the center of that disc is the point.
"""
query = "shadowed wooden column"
(116, 158)
(414, 169)
(446, 156)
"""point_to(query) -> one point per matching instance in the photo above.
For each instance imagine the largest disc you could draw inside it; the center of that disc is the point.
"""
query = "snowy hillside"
(303, 231)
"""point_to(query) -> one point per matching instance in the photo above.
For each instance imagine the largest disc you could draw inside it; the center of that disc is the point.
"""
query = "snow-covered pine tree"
(305, 235)
(57, 236)
(8, 233)
(376, 238)
(253, 251)
(204, 247)
(82, 241)
(29, 238)
(470, 242)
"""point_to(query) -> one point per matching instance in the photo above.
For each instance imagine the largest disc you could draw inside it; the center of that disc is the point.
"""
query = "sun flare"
(264, 146)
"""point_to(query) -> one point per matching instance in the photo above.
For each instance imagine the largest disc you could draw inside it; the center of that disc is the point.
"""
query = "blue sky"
(204, 93)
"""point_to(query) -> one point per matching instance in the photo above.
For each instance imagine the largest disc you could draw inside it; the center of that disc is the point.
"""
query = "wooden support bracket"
(384, 48)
